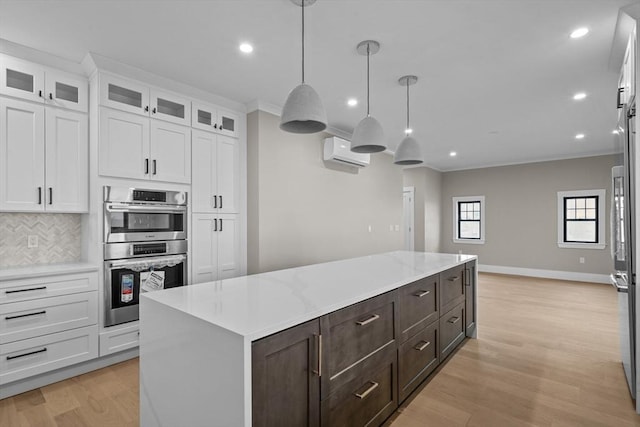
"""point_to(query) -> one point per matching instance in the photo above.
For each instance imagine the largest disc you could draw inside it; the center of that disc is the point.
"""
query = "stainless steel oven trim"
(143, 236)
(125, 195)
(119, 207)
(125, 249)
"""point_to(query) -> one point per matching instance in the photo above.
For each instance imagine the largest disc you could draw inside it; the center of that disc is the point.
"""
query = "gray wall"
(428, 210)
(521, 213)
(303, 211)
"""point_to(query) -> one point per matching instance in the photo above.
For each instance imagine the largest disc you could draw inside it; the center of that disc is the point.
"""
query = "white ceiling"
(496, 77)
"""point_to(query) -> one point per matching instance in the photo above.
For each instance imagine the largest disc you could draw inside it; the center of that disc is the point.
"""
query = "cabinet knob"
(40, 93)
(154, 110)
(146, 109)
(215, 126)
(50, 95)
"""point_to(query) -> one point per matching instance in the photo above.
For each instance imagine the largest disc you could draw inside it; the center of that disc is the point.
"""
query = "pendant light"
(408, 152)
(303, 111)
(368, 136)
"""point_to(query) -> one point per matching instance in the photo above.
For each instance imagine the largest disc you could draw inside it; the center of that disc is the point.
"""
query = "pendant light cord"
(368, 56)
(303, 41)
(408, 104)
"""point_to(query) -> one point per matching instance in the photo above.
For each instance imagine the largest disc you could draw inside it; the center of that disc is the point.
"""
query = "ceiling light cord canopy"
(303, 111)
(409, 151)
(368, 136)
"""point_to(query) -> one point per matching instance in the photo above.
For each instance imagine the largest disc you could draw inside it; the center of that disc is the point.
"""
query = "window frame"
(600, 219)
(456, 219)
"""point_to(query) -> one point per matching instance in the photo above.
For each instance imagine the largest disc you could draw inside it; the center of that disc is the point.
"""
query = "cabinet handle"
(40, 94)
(453, 320)
(619, 97)
(50, 95)
(154, 110)
(215, 224)
(467, 277)
(369, 320)
(15, 291)
(50, 195)
(420, 294)
(146, 108)
(318, 339)
(146, 165)
(155, 169)
(215, 126)
(422, 346)
(373, 386)
(42, 350)
(220, 224)
(215, 202)
(452, 278)
(220, 202)
(39, 195)
(19, 316)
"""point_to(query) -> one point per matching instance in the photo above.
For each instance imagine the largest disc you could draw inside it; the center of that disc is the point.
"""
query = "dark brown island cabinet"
(355, 366)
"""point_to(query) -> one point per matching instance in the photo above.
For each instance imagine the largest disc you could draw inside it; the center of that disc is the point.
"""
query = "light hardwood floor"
(547, 355)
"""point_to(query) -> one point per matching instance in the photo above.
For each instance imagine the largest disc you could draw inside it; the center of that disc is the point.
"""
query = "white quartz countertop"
(258, 305)
(27, 272)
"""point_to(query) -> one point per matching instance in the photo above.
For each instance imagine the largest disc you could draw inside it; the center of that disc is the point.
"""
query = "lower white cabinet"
(25, 358)
(119, 338)
(215, 247)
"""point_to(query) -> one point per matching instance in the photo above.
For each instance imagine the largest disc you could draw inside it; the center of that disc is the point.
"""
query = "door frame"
(409, 232)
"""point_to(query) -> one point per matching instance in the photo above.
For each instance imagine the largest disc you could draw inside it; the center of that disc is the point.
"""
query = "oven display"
(149, 196)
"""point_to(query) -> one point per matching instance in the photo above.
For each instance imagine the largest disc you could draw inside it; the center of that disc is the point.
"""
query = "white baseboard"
(27, 384)
(547, 274)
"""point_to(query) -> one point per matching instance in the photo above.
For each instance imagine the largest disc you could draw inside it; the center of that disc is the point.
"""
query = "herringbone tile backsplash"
(59, 238)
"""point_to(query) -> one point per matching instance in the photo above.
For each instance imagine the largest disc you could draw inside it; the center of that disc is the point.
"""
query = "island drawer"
(417, 305)
(451, 288)
(353, 333)
(43, 287)
(28, 319)
(417, 358)
(366, 400)
(451, 330)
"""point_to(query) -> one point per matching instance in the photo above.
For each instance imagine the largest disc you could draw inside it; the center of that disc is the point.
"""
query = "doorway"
(408, 206)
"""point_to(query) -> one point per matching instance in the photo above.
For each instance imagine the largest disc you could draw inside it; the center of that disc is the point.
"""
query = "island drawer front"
(34, 356)
(29, 319)
(355, 332)
(366, 400)
(451, 330)
(417, 358)
(417, 305)
(451, 288)
(43, 287)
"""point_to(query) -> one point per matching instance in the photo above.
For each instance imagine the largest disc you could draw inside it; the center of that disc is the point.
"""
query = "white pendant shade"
(368, 137)
(408, 153)
(303, 112)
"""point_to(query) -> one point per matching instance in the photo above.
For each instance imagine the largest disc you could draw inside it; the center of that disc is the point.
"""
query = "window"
(581, 219)
(468, 219)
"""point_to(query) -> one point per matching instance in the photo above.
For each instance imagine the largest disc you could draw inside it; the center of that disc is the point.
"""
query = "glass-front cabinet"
(213, 119)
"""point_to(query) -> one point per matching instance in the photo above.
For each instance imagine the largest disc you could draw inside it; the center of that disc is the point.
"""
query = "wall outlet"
(581, 260)
(32, 241)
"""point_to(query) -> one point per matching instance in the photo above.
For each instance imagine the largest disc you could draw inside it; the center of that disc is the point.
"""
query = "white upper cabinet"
(215, 184)
(133, 97)
(35, 82)
(170, 152)
(35, 140)
(213, 119)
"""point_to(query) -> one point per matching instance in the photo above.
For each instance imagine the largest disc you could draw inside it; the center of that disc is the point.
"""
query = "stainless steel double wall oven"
(145, 247)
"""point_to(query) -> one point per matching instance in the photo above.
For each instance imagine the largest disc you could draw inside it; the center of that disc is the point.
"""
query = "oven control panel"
(149, 248)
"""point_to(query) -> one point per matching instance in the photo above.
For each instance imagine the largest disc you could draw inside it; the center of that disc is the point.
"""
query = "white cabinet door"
(170, 152)
(228, 236)
(228, 123)
(228, 175)
(203, 175)
(22, 79)
(124, 144)
(21, 156)
(67, 161)
(170, 107)
(204, 117)
(124, 94)
(204, 246)
(66, 91)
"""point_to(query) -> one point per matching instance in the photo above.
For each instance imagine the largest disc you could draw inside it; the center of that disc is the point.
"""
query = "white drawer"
(42, 287)
(28, 319)
(22, 359)
(119, 339)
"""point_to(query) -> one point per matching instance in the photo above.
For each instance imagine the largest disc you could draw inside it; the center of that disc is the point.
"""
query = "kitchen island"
(212, 353)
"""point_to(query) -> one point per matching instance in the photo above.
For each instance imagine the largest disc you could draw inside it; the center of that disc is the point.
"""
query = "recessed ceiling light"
(246, 48)
(580, 95)
(579, 32)
(352, 102)
(580, 136)
(453, 154)
(408, 131)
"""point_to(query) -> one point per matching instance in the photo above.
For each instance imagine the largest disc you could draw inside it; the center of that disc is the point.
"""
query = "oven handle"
(146, 261)
(145, 208)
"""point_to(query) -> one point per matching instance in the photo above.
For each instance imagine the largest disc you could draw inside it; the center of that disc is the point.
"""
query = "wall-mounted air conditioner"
(338, 150)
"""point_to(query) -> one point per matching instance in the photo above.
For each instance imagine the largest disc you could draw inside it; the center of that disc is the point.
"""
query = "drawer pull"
(373, 386)
(15, 291)
(42, 350)
(25, 315)
(318, 371)
(453, 278)
(453, 320)
(420, 294)
(369, 320)
(422, 346)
